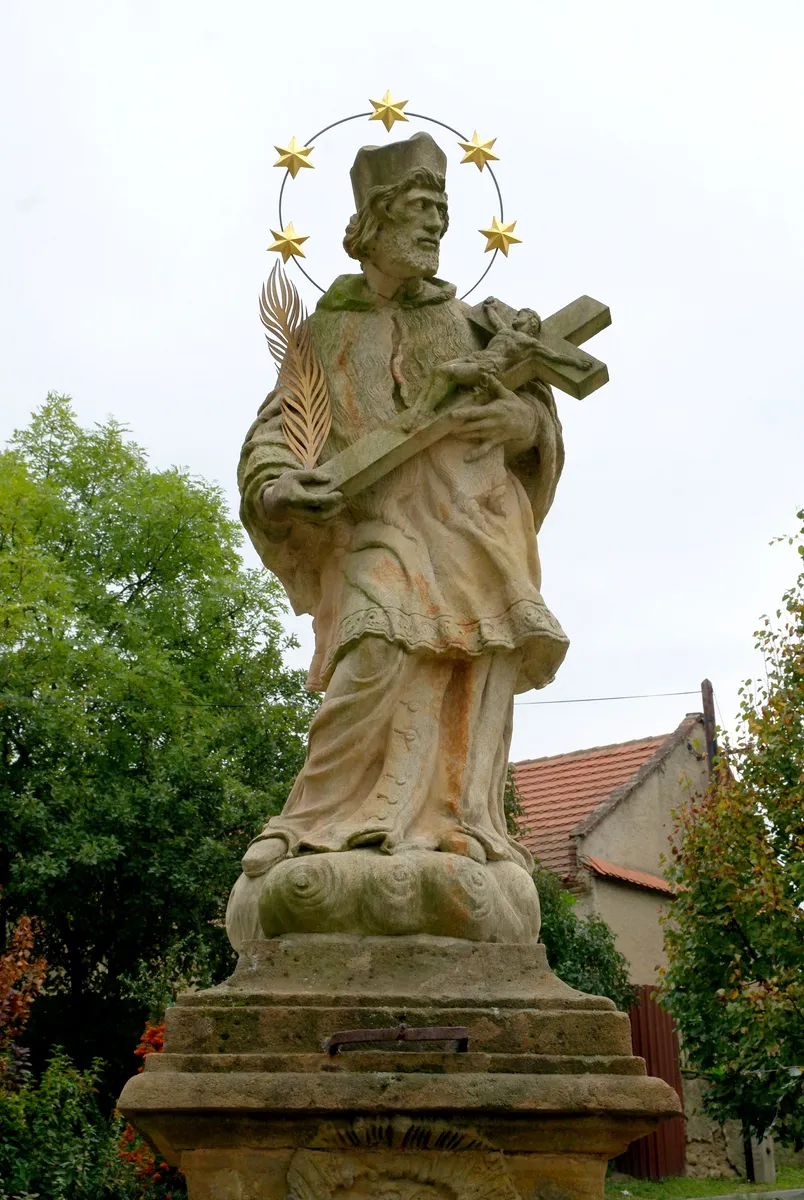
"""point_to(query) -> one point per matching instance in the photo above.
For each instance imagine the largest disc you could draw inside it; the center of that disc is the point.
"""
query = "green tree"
(147, 724)
(735, 938)
(581, 950)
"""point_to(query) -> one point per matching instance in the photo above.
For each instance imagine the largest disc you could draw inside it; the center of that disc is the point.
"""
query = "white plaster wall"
(633, 916)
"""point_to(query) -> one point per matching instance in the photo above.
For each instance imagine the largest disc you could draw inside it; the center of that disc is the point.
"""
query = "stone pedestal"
(249, 1102)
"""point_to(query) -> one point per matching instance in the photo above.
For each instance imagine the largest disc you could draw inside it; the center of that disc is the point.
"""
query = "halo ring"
(419, 117)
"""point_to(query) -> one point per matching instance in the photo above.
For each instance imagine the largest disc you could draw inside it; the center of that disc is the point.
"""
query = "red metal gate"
(654, 1038)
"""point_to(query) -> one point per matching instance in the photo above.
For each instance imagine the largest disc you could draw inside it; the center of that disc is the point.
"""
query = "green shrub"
(55, 1144)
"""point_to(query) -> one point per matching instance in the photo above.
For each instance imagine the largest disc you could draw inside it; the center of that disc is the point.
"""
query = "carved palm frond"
(306, 410)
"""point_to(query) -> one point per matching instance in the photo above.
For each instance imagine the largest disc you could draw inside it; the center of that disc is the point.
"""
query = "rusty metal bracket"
(401, 1033)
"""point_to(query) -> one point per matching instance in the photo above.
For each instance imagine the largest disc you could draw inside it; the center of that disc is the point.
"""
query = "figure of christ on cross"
(413, 544)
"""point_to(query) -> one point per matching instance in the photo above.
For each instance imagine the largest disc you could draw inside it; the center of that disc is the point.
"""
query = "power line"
(11, 697)
(600, 699)
(80, 699)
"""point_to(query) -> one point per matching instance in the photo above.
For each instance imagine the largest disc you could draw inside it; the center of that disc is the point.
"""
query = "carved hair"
(366, 224)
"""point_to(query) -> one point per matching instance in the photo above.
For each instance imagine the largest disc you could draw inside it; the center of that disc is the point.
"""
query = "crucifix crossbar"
(393, 443)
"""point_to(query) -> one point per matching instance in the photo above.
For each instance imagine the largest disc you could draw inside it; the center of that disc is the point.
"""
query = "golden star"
(293, 156)
(388, 110)
(478, 152)
(500, 237)
(288, 242)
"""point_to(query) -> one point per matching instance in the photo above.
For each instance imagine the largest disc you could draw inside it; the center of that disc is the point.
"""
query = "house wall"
(633, 915)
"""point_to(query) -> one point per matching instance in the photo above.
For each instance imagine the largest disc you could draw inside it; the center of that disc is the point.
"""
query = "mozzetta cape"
(439, 556)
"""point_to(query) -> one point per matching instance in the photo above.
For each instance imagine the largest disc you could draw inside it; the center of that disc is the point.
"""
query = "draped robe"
(424, 591)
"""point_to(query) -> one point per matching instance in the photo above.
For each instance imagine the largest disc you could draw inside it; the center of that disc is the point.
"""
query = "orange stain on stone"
(455, 727)
(423, 592)
(388, 571)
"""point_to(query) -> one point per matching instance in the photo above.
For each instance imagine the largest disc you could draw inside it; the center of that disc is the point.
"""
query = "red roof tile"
(626, 875)
(557, 793)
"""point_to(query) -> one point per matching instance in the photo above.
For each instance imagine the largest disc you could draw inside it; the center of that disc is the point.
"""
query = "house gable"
(631, 827)
(601, 819)
(567, 796)
(559, 792)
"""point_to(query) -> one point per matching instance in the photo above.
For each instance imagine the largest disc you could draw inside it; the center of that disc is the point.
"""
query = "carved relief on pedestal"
(398, 1159)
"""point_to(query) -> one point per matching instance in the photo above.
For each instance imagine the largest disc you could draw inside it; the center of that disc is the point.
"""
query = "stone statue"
(389, 875)
(424, 590)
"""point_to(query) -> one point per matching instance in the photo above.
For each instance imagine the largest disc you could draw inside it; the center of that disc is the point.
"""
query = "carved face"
(407, 244)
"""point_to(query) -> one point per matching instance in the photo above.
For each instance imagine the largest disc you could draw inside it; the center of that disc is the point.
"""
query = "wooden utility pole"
(708, 697)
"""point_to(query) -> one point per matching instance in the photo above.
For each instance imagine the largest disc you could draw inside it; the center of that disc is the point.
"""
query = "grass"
(685, 1189)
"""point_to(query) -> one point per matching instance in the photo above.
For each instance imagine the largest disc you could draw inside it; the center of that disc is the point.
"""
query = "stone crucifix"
(413, 544)
(551, 357)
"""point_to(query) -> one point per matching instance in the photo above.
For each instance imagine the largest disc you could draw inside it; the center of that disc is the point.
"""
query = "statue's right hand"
(301, 495)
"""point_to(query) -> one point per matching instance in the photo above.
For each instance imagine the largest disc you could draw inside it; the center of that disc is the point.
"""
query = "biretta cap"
(382, 165)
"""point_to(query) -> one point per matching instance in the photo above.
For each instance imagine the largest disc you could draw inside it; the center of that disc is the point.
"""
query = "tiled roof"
(558, 793)
(640, 878)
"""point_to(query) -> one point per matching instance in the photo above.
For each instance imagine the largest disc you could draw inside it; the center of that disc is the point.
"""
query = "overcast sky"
(652, 156)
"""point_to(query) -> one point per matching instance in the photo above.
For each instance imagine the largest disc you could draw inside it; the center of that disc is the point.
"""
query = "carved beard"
(399, 247)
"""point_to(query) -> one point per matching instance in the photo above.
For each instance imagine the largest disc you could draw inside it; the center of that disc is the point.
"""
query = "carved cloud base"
(366, 892)
(252, 1106)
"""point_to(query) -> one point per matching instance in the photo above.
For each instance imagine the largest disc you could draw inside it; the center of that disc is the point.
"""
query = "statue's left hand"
(506, 418)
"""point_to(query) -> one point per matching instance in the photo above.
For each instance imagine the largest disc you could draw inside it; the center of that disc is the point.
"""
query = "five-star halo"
(295, 156)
